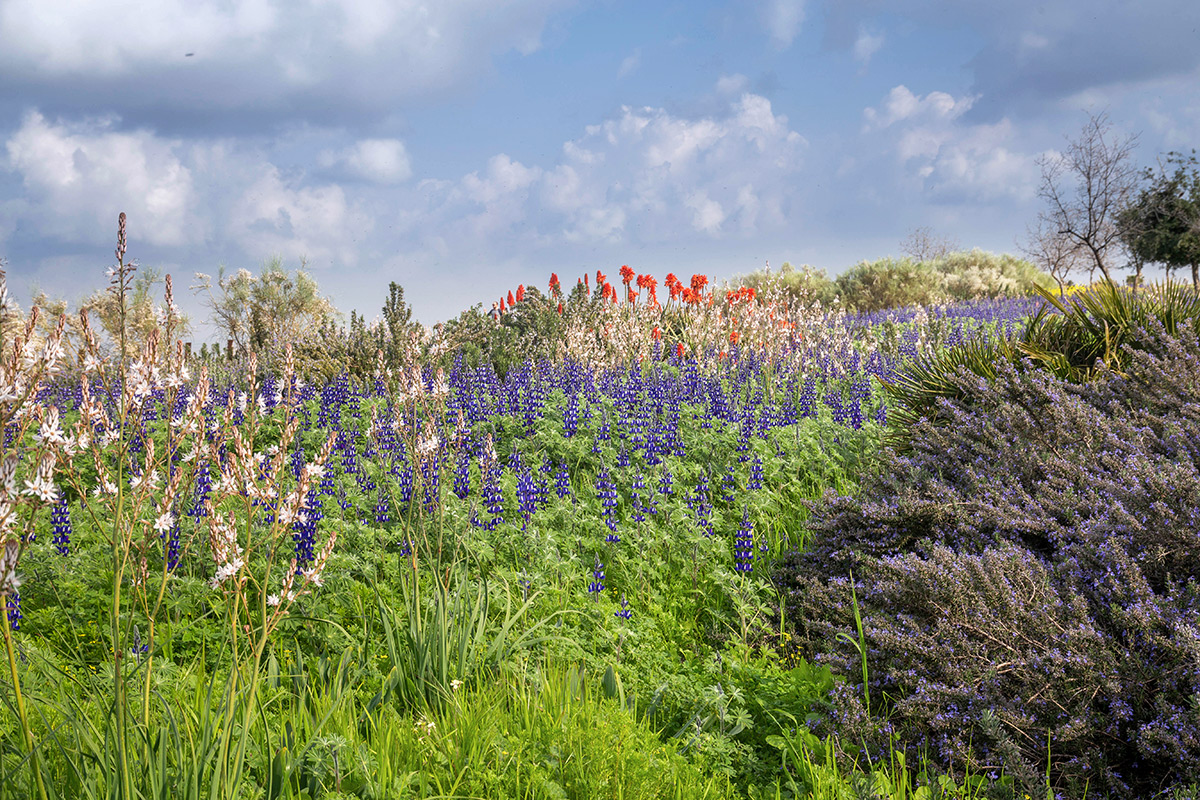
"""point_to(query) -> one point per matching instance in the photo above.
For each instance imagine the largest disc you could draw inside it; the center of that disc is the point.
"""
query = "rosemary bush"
(1026, 575)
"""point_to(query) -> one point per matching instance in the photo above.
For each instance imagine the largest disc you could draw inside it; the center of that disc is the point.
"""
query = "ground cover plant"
(562, 551)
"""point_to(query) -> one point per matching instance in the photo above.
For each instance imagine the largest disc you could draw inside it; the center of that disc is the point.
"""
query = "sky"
(463, 147)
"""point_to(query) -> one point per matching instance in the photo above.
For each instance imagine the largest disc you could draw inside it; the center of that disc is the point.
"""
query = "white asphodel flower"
(42, 488)
(164, 522)
(10, 581)
(226, 571)
(273, 600)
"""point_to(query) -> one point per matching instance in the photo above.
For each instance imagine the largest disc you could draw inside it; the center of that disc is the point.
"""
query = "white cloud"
(902, 104)
(866, 45)
(708, 212)
(630, 64)
(734, 84)
(950, 159)
(306, 58)
(78, 177)
(645, 175)
(279, 216)
(383, 161)
(783, 19)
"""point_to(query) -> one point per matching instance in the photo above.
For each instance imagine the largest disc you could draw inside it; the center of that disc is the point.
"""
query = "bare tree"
(1052, 252)
(922, 244)
(1085, 189)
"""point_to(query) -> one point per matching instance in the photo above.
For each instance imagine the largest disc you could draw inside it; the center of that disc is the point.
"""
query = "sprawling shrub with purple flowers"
(1028, 577)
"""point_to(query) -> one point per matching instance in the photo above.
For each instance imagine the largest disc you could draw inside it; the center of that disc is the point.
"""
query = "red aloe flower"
(511, 300)
(679, 350)
(626, 274)
(560, 308)
(632, 296)
(502, 304)
(699, 282)
(521, 293)
(657, 333)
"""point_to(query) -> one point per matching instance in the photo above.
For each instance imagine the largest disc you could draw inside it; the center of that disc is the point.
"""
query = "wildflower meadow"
(621, 539)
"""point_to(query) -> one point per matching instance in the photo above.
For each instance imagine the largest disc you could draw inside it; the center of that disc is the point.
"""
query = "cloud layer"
(311, 59)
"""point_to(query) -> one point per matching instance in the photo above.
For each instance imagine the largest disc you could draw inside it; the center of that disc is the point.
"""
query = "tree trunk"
(1196, 275)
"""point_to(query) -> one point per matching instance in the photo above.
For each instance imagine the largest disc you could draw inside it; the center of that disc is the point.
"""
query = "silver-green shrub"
(1028, 576)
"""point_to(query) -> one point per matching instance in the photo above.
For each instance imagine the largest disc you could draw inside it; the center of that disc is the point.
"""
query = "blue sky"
(464, 146)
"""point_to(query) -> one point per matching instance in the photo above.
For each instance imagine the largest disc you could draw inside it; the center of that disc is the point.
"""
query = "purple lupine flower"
(562, 481)
(526, 496)
(606, 493)
(700, 505)
(596, 587)
(173, 546)
(383, 508)
(665, 483)
(462, 474)
(756, 475)
(60, 520)
(492, 494)
(635, 498)
(431, 474)
(743, 547)
(728, 485)
(623, 612)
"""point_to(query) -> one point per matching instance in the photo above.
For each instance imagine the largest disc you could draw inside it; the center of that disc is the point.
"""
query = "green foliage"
(450, 638)
(804, 284)
(266, 311)
(531, 329)
(1162, 225)
(1070, 338)
(1094, 328)
(974, 274)
(964, 275)
(890, 283)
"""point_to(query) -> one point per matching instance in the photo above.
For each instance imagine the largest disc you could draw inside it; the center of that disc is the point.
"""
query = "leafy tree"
(1085, 189)
(1162, 226)
(265, 311)
(397, 332)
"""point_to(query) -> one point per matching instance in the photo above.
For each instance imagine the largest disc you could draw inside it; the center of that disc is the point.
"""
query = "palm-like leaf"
(1071, 338)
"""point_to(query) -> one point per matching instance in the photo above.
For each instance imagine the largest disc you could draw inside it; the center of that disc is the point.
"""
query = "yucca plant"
(1093, 327)
(1072, 338)
(916, 390)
